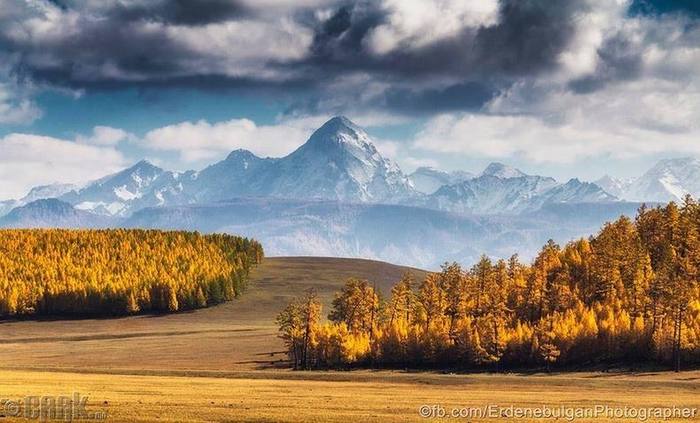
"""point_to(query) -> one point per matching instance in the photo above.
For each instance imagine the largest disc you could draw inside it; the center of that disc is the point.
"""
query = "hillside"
(236, 335)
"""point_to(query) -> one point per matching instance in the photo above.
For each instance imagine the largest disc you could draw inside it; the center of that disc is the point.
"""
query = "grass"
(342, 397)
(238, 335)
(226, 364)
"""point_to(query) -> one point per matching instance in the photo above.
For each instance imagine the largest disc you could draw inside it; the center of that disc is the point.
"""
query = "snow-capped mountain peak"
(340, 134)
(142, 185)
(340, 161)
(499, 170)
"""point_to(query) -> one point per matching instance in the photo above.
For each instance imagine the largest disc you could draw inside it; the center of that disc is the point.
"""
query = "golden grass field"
(226, 364)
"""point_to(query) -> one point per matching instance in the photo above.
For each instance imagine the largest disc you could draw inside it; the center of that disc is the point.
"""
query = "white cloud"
(647, 107)
(105, 136)
(419, 22)
(14, 110)
(256, 44)
(205, 141)
(28, 160)
(602, 126)
(201, 140)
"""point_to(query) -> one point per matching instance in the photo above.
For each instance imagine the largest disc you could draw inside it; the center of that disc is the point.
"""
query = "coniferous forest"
(118, 272)
(629, 294)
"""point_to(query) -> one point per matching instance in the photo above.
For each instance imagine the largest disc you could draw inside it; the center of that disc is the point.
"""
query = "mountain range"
(339, 162)
(668, 180)
(337, 195)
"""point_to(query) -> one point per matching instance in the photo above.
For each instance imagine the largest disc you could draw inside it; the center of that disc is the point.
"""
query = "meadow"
(225, 363)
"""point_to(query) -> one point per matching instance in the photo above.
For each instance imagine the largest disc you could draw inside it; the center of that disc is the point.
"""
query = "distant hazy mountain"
(47, 191)
(338, 162)
(669, 180)
(36, 193)
(120, 194)
(574, 191)
(427, 180)
(399, 234)
(504, 190)
(615, 186)
(52, 213)
(6, 206)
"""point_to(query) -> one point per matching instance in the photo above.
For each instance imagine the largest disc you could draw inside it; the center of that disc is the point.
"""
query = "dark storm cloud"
(619, 60)
(467, 96)
(79, 60)
(113, 46)
(181, 12)
(528, 38)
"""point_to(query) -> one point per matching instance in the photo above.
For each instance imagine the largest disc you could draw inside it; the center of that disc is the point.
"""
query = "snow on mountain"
(427, 180)
(668, 180)
(236, 176)
(574, 191)
(47, 191)
(7, 205)
(615, 186)
(497, 192)
(499, 170)
(142, 185)
(490, 194)
(338, 162)
(36, 193)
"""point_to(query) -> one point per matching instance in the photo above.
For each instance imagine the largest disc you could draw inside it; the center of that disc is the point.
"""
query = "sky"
(566, 88)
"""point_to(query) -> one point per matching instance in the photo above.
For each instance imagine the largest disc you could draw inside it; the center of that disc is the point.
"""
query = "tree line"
(118, 272)
(629, 294)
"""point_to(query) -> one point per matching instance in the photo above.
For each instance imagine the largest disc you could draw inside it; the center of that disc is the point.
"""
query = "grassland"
(226, 364)
(238, 335)
(343, 397)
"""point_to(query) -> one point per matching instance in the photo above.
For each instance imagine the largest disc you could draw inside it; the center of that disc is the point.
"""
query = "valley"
(233, 336)
(225, 363)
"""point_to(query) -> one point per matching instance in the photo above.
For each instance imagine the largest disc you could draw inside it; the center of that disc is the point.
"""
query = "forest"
(628, 295)
(117, 272)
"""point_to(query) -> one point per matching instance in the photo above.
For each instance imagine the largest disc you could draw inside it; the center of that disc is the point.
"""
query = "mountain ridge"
(338, 162)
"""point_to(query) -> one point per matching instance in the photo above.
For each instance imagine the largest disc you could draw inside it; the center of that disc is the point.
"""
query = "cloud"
(180, 12)
(113, 44)
(629, 120)
(105, 136)
(423, 55)
(16, 108)
(13, 112)
(204, 141)
(29, 160)
(197, 141)
(496, 78)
